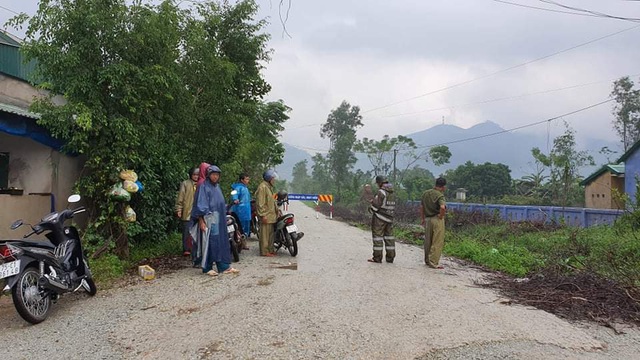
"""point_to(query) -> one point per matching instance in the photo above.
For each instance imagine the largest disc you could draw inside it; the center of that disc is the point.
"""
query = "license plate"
(292, 228)
(231, 228)
(9, 269)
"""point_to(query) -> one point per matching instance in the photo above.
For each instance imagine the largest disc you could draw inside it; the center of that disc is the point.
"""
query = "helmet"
(269, 174)
(213, 169)
(381, 179)
(282, 195)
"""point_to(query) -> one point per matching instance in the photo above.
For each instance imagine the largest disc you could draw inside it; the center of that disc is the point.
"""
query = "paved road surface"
(327, 303)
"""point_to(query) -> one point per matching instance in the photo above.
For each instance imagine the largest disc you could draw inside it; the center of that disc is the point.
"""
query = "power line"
(544, 9)
(503, 70)
(487, 135)
(586, 11)
(519, 127)
(9, 10)
(501, 99)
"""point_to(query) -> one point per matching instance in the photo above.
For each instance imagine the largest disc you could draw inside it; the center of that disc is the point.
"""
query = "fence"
(582, 217)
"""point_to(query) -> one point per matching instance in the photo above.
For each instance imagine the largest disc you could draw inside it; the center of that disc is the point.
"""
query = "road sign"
(303, 197)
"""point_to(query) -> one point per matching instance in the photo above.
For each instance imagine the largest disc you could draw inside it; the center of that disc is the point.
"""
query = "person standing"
(267, 211)
(210, 210)
(242, 206)
(383, 207)
(184, 203)
(432, 211)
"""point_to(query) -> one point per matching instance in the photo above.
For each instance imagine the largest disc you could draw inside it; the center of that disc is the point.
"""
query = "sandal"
(231, 271)
(374, 261)
(212, 273)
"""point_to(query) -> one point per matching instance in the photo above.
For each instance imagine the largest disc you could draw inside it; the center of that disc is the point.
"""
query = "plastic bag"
(117, 192)
(130, 186)
(129, 214)
(129, 175)
(140, 186)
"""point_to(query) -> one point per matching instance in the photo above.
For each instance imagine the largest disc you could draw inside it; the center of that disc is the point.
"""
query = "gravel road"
(327, 303)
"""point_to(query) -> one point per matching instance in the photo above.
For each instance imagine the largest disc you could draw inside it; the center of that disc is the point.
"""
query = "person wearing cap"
(383, 207)
(432, 211)
(210, 210)
(184, 203)
(267, 211)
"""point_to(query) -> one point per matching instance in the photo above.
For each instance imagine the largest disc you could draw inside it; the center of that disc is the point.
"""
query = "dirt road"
(327, 303)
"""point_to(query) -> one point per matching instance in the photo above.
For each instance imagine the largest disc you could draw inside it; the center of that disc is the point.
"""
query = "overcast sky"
(376, 53)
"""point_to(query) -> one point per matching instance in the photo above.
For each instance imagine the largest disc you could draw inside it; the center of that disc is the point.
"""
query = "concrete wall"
(599, 194)
(20, 93)
(35, 168)
(632, 174)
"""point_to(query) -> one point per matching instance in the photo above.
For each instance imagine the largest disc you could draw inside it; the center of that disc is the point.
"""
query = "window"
(4, 170)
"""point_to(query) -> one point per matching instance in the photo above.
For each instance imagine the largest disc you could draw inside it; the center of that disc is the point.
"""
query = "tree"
(482, 181)
(340, 128)
(152, 88)
(564, 161)
(382, 154)
(301, 179)
(416, 180)
(626, 111)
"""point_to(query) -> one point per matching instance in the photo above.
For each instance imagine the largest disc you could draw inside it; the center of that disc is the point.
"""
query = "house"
(631, 159)
(604, 188)
(35, 177)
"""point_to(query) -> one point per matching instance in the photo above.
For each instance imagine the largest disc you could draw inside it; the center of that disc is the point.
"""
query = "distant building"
(603, 187)
(461, 194)
(35, 177)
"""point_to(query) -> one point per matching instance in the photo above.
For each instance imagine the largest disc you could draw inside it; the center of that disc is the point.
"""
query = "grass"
(109, 268)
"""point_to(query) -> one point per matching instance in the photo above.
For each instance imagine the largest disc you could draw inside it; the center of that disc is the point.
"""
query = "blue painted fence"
(582, 217)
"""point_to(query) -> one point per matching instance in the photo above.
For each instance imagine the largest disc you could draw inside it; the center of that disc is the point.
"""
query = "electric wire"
(502, 70)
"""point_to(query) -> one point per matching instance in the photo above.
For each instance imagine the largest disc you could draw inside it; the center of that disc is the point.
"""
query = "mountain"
(512, 148)
(292, 156)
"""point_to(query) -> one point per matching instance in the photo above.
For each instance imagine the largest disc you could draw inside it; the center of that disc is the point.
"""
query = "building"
(631, 159)
(604, 188)
(35, 176)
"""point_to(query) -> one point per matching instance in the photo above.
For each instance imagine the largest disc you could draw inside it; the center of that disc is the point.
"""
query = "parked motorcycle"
(236, 240)
(37, 273)
(286, 232)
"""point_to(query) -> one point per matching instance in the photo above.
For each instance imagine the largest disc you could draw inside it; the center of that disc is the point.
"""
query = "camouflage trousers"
(383, 240)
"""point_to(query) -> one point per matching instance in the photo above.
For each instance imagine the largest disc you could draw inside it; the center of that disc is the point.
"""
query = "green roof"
(8, 39)
(12, 62)
(616, 169)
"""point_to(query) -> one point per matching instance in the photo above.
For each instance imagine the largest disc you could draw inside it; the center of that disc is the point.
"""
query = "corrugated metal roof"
(8, 39)
(12, 62)
(18, 111)
(617, 169)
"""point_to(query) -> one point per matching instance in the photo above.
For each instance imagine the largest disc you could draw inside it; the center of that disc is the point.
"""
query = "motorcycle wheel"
(238, 240)
(293, 245)
(234, 251)
(278, 241)
(255, 226)
(90, 286)
(28, 299)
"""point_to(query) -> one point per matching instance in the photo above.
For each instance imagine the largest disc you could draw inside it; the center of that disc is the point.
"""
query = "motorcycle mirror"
(16, 224)
(234, 192)
(74, 198)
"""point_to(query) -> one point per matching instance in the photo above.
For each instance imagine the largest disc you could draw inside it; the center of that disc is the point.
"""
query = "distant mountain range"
(510, 148)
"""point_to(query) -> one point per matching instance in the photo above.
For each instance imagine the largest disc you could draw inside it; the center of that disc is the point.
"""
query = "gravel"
(327, 303)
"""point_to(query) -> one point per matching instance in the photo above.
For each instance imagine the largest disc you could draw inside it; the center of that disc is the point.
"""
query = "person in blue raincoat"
(242, 204)
(210, 209)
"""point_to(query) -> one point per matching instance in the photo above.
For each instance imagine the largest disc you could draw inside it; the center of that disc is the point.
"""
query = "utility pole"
(395, 153)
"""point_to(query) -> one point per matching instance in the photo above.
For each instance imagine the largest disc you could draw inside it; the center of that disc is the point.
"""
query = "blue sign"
(303, 197)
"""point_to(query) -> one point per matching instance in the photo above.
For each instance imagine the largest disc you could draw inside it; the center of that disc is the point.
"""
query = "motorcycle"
(286, 232)
(37, 273)
(236, 238)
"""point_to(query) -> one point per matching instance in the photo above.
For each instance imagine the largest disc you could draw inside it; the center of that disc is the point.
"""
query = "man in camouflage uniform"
(432, 211)
(383, 206)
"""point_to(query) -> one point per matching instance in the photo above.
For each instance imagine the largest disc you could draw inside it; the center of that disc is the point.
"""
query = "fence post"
(584, 218)
(331, 210)
(317, 208)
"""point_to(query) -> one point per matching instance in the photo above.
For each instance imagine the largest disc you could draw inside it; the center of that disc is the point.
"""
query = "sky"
(413, 64)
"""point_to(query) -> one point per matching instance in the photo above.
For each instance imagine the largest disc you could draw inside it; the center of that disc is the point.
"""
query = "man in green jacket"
(267, 211)
(432, 211)
(184, 203)
(383, 207)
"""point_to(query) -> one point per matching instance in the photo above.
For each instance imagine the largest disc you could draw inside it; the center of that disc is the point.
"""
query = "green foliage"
(107, 268)
(340, 128)
(626, 111)
(481, 181)
(563, 163)
(156, 89)
(415, 181)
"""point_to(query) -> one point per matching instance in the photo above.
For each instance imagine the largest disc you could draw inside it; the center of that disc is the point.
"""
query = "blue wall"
(632, 174)
(581, 217)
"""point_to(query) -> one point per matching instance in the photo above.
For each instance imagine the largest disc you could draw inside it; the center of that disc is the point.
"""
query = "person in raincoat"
(184, 204)
(242, 205)
(209, 210)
